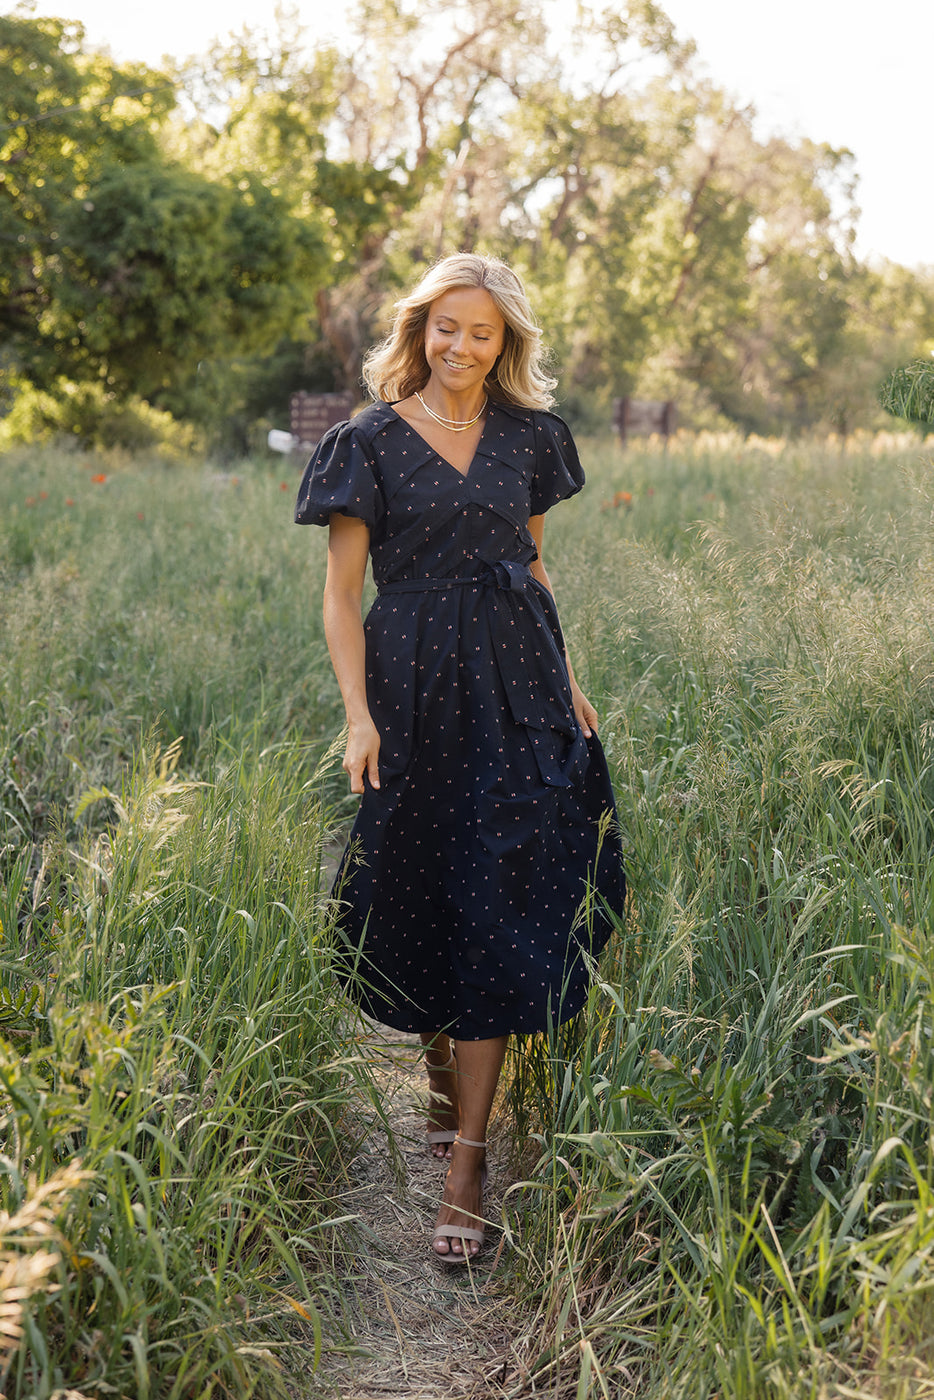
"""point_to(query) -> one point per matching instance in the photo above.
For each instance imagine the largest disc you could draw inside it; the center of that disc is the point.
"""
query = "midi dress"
(486, 871)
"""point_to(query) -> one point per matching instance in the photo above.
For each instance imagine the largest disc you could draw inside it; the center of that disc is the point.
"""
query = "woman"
(484, 820)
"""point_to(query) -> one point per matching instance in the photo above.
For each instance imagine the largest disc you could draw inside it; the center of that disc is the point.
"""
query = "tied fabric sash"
(527, 646)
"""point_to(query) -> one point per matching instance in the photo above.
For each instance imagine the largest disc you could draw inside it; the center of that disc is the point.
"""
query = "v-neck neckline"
(440, 456)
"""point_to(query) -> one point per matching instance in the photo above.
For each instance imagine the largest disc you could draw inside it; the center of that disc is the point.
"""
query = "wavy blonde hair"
(397, 367)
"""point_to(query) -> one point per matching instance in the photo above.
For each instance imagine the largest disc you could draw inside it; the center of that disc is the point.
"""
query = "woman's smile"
(464, 336)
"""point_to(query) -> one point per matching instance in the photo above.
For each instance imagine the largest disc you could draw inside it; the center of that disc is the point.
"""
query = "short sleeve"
(558, 470)
(340, 479)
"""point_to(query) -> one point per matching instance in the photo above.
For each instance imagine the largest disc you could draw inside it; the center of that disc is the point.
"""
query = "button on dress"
(487, 866)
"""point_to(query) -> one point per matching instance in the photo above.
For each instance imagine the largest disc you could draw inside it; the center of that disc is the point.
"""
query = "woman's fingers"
(584, 712)
(372, 771)
(361, 758)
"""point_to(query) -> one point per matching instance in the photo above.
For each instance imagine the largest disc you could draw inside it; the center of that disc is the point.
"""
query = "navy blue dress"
(489, 860)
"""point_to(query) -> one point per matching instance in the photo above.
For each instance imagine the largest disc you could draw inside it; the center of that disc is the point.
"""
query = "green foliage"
(65, 120)
(86, 413)
(909, 392)
(212, 255)
(131, 269)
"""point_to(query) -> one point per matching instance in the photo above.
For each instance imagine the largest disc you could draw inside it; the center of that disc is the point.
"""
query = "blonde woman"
(484, 787)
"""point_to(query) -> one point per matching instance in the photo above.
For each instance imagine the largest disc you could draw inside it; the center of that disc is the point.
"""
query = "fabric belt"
(503, 574)
(528, 646)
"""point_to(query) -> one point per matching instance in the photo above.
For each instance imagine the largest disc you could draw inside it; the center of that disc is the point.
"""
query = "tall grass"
(183, 1048)
(733, 1194)
(725, 1166)
(180, 1086)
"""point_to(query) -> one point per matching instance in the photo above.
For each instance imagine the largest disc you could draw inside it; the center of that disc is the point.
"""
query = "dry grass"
(419, 1330)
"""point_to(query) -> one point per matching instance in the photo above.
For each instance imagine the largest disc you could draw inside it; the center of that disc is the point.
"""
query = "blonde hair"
(397, 367)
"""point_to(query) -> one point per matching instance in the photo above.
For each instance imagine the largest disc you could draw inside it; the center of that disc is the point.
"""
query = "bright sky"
(856, 73)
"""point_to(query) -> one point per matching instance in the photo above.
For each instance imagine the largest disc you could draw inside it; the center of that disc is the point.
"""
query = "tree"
(130, 269)
(159, 268)
(64, 118)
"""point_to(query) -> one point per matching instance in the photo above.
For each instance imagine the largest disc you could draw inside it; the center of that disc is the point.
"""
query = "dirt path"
(424, 1330)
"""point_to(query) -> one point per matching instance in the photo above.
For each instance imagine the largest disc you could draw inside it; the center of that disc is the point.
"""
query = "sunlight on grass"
(723, 1169)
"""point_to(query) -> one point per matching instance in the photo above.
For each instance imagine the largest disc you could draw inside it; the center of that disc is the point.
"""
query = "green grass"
(734, 1186)
(724, 1169)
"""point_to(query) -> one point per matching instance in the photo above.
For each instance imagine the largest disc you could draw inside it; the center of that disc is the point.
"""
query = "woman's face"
(463, 338)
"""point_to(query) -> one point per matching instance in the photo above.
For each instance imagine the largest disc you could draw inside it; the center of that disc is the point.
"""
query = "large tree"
(65, 118)
(123, 266)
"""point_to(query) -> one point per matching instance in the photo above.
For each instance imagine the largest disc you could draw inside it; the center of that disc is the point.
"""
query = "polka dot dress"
(464, 887)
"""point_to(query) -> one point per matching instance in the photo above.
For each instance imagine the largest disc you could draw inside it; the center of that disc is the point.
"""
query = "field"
(724, 1170)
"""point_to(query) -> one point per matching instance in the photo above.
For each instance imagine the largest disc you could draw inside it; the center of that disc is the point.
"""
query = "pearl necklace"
(453, 425)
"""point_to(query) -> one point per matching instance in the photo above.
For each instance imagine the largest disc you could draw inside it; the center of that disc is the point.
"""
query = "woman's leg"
(479, 1063)
(442, 1087)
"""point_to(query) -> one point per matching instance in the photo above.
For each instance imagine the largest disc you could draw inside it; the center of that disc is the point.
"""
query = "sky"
(855, 73)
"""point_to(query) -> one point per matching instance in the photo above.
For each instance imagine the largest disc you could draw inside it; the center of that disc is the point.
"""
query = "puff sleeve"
(558, 470)
(341, 478)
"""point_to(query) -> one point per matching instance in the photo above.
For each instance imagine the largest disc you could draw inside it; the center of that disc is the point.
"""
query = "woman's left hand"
(586, 714)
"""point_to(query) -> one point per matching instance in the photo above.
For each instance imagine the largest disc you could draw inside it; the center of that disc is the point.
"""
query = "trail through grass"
(418, 1327)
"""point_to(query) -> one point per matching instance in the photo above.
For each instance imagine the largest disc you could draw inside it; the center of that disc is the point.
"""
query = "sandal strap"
(446, 1136)
(469, 1142)
(449, 1064)
(456, 1232)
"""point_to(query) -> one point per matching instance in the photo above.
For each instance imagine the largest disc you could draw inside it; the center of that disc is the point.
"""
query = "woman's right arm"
(348, 551)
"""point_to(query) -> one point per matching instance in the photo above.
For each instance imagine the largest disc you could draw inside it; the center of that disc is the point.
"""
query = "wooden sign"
(310, 415)
(643, 417)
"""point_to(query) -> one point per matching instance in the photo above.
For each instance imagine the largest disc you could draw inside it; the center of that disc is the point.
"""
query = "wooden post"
(643, 416)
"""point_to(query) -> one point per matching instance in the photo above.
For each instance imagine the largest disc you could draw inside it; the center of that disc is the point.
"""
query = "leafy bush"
(87, 415)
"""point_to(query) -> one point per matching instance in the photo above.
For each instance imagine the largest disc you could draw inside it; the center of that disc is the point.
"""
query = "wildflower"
(43, 495)
(30, 500)
(623, 498)
(139, 515)
(99, 476)
(69, 501)
(283, 486)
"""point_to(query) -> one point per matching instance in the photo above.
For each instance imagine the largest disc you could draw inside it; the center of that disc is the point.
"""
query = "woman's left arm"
(585, 712)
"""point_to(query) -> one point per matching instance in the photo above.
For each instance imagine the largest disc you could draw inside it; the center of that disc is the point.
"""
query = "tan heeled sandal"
(440, 1103)
(461, 1232)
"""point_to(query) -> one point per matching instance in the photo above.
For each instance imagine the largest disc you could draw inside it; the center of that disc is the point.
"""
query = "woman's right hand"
(348, 550)
(361, 755)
